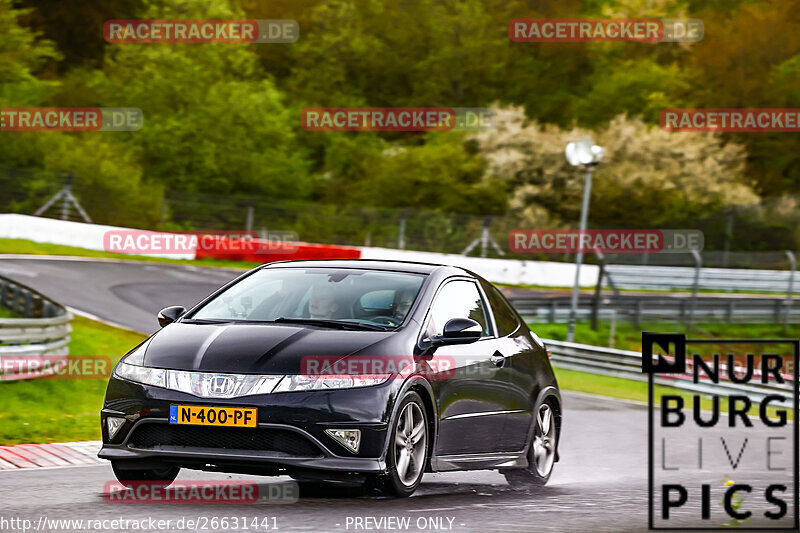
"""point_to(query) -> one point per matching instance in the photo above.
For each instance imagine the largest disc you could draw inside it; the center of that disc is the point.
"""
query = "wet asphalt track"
(600, 484)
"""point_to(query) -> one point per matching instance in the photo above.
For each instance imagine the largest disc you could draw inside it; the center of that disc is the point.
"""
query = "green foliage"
(111, 187)
(21, 51)
(63, 410)
(211, 123)
(223, 119)
(648, 178)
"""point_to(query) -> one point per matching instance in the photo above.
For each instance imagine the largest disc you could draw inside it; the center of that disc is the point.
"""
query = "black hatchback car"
(357, 371)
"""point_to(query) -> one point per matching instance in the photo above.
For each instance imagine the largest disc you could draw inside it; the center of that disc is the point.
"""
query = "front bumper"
(303, 416)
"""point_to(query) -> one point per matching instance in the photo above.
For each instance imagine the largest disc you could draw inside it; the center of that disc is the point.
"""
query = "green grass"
(59, 410)
(6, 313)
(628, 389)
(21, 246)
(628, 337)
(603, 385)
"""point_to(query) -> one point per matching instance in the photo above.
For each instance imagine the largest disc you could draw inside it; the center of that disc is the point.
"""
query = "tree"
(23, 53)
(211, 123)
(648, 178)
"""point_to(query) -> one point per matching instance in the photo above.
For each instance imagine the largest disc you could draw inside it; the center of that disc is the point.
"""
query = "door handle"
(498, 359)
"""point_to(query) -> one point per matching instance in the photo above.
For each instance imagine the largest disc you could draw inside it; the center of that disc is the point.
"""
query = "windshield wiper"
(207, 321)
(324, 322)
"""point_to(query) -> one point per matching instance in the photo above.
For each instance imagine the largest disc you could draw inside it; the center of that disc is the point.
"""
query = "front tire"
(541, 454)
(131, 477)
(408, 449)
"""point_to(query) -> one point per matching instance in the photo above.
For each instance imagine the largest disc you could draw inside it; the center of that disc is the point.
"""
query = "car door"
(519, 353)
(472, 399)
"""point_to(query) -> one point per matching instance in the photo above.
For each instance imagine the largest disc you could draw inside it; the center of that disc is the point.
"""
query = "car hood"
(249, 348)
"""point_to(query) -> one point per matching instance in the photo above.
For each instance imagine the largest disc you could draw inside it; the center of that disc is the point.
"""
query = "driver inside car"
(322, 302)
(403, 301)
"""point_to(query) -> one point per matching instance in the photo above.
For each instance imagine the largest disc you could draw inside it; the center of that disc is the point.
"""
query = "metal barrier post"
(573, 307)
(793, 266)
(698, 261)
(612, 330)
(248, 225)
(598, 288)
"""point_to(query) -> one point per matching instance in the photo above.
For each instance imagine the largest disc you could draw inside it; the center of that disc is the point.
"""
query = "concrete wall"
(90, 236)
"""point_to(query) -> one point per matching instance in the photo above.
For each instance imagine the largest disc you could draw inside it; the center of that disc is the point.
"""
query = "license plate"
(213, 416)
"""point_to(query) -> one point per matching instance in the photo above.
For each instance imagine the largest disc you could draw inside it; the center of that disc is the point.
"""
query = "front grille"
(244, 439)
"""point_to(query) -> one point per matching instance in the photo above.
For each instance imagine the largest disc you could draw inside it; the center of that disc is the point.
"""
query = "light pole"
(578, 153)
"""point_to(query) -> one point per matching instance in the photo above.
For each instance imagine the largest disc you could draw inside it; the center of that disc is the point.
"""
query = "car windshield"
(316, 295)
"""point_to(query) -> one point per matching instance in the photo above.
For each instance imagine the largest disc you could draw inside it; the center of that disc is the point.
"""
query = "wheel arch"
(421, 386)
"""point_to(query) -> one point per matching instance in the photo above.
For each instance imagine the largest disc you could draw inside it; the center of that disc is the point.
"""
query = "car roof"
(372, 264)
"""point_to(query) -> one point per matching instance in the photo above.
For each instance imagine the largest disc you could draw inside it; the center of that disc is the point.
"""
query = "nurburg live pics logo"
(709, 469)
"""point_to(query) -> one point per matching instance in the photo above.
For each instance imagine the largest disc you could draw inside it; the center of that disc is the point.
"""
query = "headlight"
(296, 383)
(142, 374)
(216, 385)
(202, 384)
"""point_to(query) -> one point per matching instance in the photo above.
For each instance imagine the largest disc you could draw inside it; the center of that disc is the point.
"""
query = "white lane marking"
(90, 316)
(590, 396)
(216, 270)
(8, 269)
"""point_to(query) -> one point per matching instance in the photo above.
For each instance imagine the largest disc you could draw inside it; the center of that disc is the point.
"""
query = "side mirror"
(458, 331)
(168, 315)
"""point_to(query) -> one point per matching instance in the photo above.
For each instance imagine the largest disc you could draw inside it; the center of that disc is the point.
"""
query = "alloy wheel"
(410, 444)
(544, 441)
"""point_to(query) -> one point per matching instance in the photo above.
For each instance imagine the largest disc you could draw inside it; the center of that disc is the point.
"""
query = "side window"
(504, 316)
(457, 299)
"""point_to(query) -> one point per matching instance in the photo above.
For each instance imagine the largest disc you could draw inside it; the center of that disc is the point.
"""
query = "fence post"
(553, 305)
(793, 266)
(728, 235)
(248, 225)
(598, 288)
(637, 316)
(612, 330)
(401, 231)
(698, 261)
(163, 218)
(65, 197)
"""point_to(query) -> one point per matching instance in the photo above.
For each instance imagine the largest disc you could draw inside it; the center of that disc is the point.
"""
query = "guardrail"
(42, 333)
(683, 278)
(628, 364)
(657, 307)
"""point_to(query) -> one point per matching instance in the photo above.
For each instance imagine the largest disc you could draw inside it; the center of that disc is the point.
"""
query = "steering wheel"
(385, 321)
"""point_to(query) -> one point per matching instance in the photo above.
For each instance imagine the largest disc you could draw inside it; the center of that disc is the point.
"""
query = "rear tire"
(132, 477)
(541, 453)
(408, 450)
